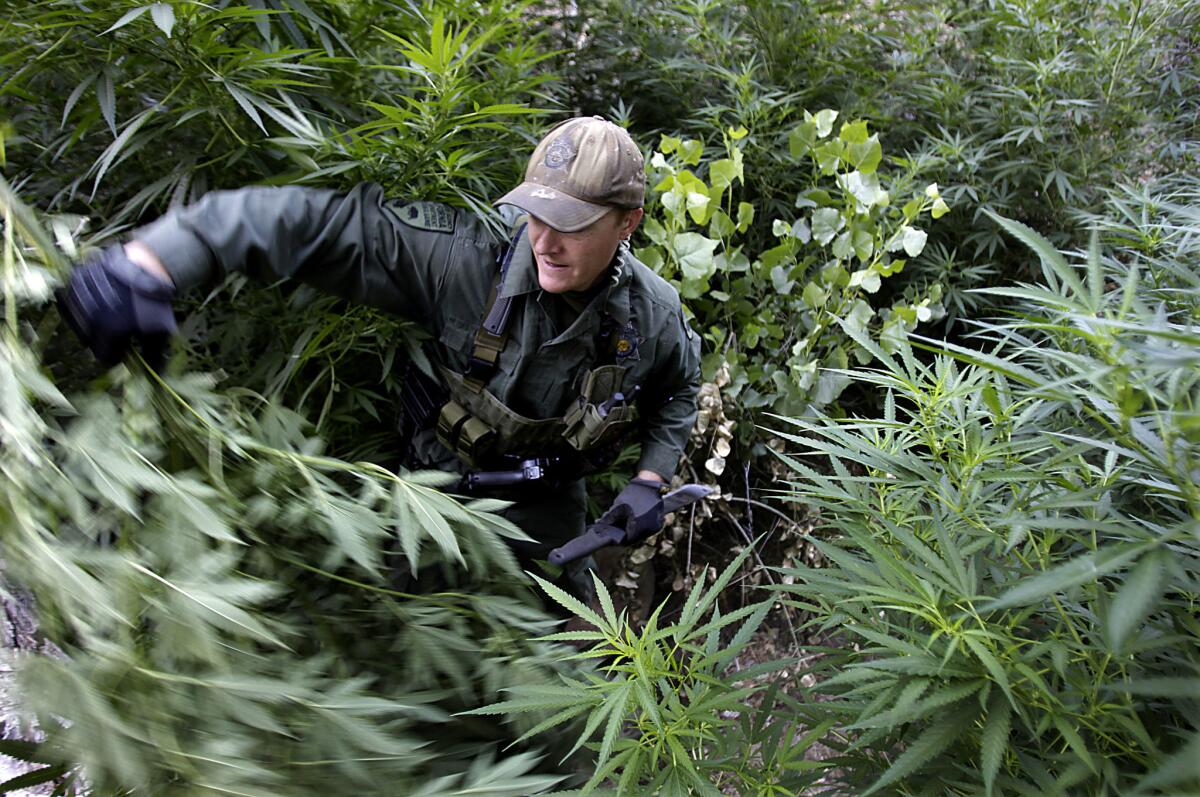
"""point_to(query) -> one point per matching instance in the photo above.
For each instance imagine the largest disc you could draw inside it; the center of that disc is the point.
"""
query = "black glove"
(111, 303)
(638, 509)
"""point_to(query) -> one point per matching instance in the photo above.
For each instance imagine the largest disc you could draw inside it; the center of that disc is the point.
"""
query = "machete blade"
(682, 496)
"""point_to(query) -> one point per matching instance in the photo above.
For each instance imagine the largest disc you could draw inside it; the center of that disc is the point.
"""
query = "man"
(545, 344)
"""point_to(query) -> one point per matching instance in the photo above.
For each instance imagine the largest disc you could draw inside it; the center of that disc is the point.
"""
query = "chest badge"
(625, 343)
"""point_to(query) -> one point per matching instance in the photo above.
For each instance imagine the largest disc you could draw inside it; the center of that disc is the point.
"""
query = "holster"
(601, 415)
(421, 399)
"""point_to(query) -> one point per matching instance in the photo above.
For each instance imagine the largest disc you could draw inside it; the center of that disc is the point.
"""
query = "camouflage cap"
(581, 169)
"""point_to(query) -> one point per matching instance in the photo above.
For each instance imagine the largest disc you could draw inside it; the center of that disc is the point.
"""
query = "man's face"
(575, 261)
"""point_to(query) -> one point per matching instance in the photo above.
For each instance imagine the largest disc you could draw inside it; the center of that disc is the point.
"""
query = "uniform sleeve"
(668, 414)
(355, 245)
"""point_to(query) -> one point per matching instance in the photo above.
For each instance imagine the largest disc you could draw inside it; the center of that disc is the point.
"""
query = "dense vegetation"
(945, 261)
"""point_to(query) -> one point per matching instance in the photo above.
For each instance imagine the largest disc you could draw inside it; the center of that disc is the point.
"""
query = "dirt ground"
(18, 633)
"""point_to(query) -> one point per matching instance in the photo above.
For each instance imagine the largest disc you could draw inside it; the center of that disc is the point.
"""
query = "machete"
(599, 535)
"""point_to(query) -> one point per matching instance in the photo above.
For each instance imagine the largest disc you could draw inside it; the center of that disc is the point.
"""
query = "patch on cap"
(560, 153)
(578, 171)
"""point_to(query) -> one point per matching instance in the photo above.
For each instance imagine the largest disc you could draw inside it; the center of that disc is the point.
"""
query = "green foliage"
(671, 716)
(61, 776)
(223, 588)
(781, 320)
(228, 561)
(272, 92)
(226, 595)
(1031, 109)
(1014, 551)
(234, 587)
(222, 96)
(450, 124)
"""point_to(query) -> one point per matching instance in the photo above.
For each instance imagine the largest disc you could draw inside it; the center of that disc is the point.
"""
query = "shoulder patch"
(432, 216)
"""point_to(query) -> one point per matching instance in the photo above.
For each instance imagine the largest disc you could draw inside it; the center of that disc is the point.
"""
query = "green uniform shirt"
(434, 265)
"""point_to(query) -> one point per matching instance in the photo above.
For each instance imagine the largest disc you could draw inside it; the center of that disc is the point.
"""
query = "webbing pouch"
(588, 428)
(598, 417)
(514, 433)
(464, 434)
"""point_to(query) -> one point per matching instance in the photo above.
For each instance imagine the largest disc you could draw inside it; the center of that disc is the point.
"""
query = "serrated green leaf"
(1181, 769)
(606, 604)
(697, 605)
(232, 616)
(615, 698)
(948, 693)
(991, 663)
(32, 779)
(1137, 597)
(32, 752)
(932, 741)
(107, 99)
(1053, 262)
(994, 741)
(74, 97)
(720, 621)
(114, 149)
(540, 697)
(616, 720)
(1075, 741)
(574, 605)
(164, 17)
(126, 18)
(246, 104)
(1080, 570)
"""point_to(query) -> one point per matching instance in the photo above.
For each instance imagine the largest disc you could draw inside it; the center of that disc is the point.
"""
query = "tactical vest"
(478, 428)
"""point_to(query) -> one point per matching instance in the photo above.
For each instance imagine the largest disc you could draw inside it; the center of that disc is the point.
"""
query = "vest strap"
(492, 335)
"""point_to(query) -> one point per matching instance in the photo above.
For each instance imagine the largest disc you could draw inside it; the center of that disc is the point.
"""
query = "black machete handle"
(596, 537)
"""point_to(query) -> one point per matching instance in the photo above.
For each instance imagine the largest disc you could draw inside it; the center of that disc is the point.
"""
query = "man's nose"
(546, 239)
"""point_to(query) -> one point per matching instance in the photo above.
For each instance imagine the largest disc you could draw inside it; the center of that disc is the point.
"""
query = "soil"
(18, 636)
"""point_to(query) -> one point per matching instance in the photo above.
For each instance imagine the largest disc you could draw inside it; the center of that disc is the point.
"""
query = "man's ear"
(631, 221)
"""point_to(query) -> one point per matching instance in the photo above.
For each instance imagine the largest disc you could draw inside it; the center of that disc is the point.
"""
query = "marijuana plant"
(225, 595)
(1013, 550)
(673, 711)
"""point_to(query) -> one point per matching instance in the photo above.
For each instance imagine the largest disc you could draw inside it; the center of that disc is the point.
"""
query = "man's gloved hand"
(638, 509)
(111, 303)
